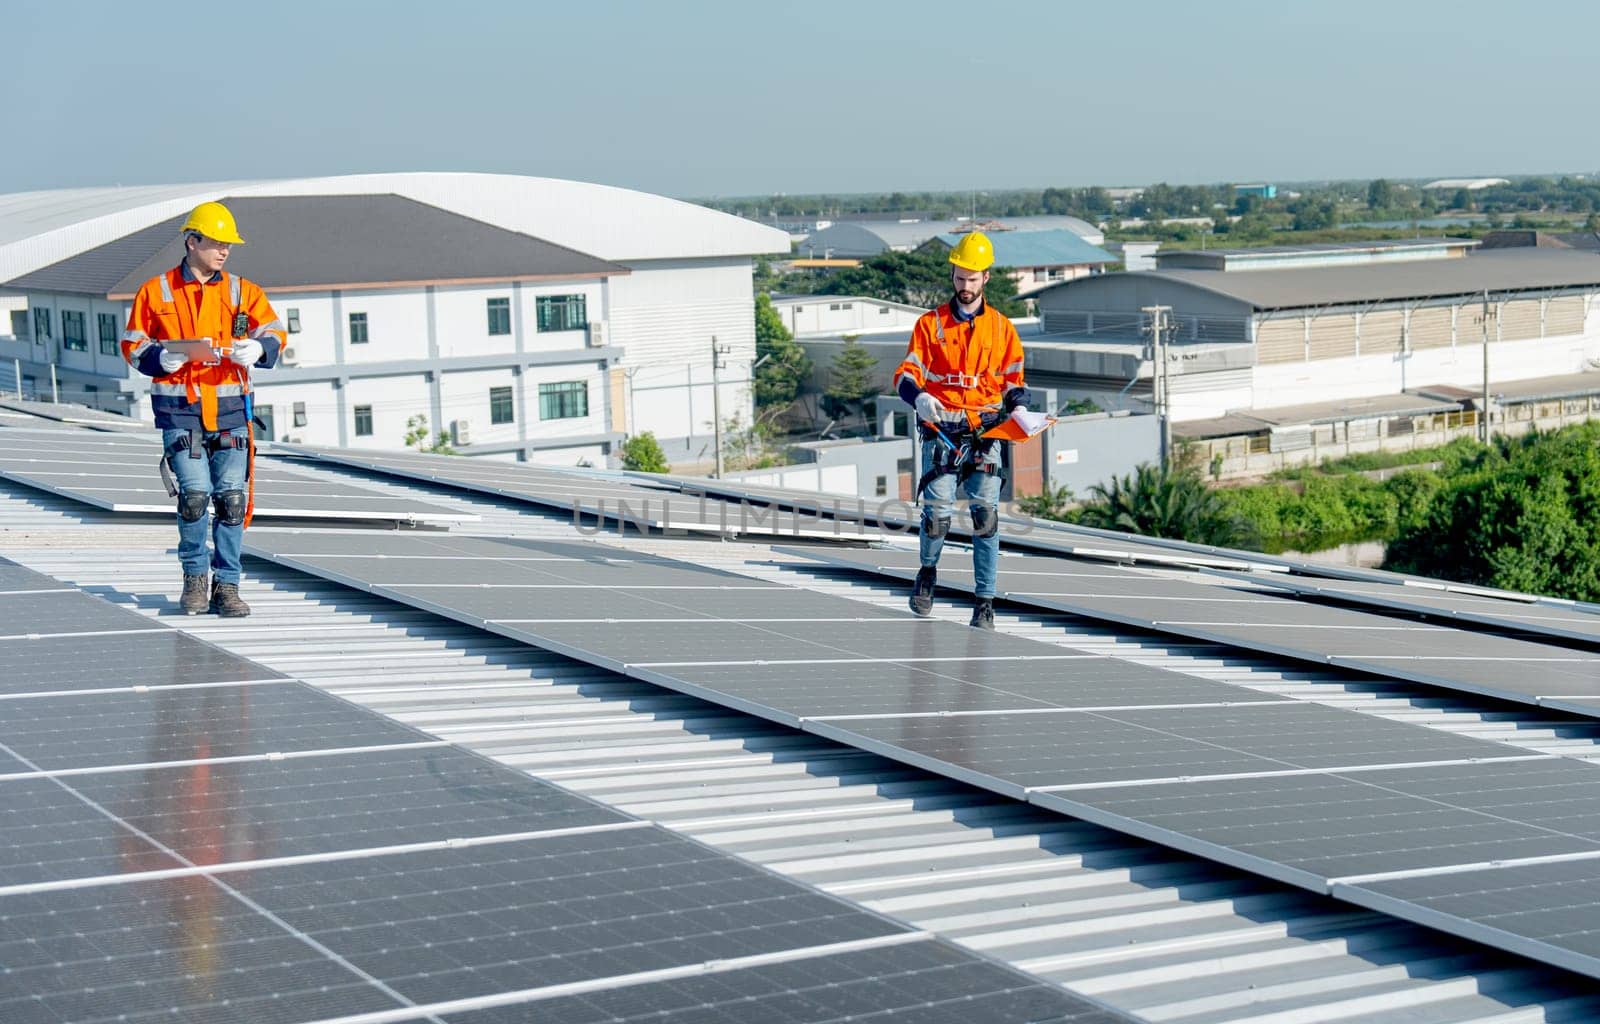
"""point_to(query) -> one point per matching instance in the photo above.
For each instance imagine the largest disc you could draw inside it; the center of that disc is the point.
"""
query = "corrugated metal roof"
(1498, 271)
(1169, 937)
(329, 242)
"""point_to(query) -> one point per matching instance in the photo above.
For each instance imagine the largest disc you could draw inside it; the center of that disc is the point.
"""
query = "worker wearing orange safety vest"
(202, 406)
(963, 375)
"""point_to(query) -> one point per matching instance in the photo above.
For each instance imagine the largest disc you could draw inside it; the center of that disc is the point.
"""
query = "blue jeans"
(982, 494)
(224, 469)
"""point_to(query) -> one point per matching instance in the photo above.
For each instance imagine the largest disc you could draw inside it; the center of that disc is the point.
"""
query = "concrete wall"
(1084, 450)
(843, 314)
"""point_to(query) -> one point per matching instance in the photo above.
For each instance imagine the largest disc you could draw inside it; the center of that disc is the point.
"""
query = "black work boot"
(982, 613)
(922, 592)
(225, 601)
(194, 600)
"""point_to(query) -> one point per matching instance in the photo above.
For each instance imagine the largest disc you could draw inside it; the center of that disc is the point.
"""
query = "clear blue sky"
(724, 98)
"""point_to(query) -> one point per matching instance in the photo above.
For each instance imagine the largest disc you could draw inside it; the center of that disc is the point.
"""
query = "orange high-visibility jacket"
(174, 306)
(969, 366)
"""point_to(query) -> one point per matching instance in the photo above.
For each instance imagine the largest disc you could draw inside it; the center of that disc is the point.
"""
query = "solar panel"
(1301, 792)
(120, 474)
(1494, 666)
(1017, 531)
(928, 982)
(70, 611)
(612, 497)
(127, 659)
(223, 854)
(75, 415)
(1529, 617)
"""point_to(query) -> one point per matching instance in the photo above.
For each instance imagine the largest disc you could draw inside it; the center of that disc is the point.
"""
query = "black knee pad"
(985, 521)
(230, 507)
(192, 505)
(934, 526)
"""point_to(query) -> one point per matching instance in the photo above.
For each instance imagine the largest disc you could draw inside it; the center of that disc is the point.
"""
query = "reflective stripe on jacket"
(174, 306)
(966, 366)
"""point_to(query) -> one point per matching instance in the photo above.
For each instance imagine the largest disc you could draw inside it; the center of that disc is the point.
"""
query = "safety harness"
(962, 455)
(238, 327)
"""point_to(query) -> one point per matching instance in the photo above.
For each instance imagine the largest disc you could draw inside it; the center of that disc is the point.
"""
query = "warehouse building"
(1290, 342)
(527, 318)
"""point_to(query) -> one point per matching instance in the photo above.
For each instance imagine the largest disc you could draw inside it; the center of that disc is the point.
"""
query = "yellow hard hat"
(973, 252)
(215, 221)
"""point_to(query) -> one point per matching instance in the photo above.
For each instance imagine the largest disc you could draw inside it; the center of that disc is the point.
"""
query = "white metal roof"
(41, 228)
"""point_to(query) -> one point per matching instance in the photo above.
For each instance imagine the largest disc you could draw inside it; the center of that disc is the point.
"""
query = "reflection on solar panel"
(609, 497)
(1546, 619)
(1016, 531)
(1309, 794)
(225, 852)
(1494, 666)
(120, 474)
(72, 415)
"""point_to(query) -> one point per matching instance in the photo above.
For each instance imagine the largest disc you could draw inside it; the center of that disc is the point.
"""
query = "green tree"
(1525, 516)
(919, 278)
(418, 437)
(1593, 223)
(1462, 200)
(1380, 194)
(642, 453)
(1159, 502)
(784, 365)
(850, 380)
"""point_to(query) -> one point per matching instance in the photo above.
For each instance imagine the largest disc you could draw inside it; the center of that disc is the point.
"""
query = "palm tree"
(1159, 502)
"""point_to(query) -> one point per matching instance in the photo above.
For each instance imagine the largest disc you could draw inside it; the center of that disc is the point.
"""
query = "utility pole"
(717, 352)
(1483, 411)
(1159, 324)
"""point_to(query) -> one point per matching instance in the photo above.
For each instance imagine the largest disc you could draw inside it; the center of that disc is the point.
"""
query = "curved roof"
(38, 229)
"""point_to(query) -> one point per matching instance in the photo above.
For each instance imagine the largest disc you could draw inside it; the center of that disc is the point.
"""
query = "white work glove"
(245, 351)
(172, 362)
(929, 409)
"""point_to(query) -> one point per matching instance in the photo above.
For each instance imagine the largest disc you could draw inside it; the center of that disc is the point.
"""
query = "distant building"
(1037, 259)
(1470, 184)
(1321, 254)
(1519, 238)
(1135, 255)
(1259, 190)
(1311, 335)
(833, 315)
(531, 318)
(860, 239)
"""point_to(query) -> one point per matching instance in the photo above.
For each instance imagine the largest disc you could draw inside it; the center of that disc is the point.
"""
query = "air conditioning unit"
(461, 432)
(294, 439)
(289, 356)
(597, 333)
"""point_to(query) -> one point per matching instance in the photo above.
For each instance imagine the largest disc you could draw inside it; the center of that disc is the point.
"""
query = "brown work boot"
(226, 602)
(194, 600)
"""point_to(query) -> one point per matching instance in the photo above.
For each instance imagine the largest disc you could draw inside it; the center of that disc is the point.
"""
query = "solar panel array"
(629, 500)
(121, 474)
(1495, 666)
(1551, 620)
(191, 836)
(68, 415)
(1016, 531)
(1326, 798)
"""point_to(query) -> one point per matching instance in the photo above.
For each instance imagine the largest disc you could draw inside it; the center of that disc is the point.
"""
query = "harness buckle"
(962, 380)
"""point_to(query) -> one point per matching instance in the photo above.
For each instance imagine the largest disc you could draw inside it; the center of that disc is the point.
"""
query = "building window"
(358, 328)
(564, 400)
(299, 414)
(73, 336)
(499, 316)
(1040, 274)
(834, 306)
(881, 487)
(108, 333)
(500, 410)
(294, 321)
(363, 421)
(41, 324)
(883, 309)
(562, 312)
(849, 305)
(269, 426)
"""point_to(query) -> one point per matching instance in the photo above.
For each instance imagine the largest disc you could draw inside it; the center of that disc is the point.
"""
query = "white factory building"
(528, 318)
